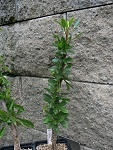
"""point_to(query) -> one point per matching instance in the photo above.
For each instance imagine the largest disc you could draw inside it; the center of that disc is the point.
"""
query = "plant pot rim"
(22, 145)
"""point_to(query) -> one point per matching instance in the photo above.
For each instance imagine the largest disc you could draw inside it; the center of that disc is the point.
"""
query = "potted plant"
(55, 110)
(10, 111)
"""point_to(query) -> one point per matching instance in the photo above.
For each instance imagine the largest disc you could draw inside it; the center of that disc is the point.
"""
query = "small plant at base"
(55, 109)
(9, 114)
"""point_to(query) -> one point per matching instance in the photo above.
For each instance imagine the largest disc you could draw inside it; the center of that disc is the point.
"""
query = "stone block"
(7, 11)
(91, 115)
(32, 9)
(28, 9)
(92, 3)
(28, 46)
(93, 58)
(2, 39)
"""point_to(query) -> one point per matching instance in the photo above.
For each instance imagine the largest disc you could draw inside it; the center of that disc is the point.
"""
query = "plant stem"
(54, 138)
(15, 137)
(66, 34)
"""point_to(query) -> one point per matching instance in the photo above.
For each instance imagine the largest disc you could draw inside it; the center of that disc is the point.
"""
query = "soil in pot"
(62, 144)
(59, 146)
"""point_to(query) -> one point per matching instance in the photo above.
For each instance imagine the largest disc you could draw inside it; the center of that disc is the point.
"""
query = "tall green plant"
(10, 111)
(55, 109)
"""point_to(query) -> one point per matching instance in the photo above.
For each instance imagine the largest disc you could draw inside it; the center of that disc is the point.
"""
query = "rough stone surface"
(93, 59)
(91, 115)
(13, 10)
(7, 11)
(31, 9)
(28, 46)
(85, 148)
(91, 3)
(2, 40)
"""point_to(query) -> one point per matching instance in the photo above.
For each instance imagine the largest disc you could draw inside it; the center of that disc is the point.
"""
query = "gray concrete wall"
(26, 42)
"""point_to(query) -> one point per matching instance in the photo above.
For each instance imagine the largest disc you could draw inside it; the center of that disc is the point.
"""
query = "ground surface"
(85, 148)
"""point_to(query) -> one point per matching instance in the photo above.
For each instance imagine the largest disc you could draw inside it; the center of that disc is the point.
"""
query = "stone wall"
(26, 43)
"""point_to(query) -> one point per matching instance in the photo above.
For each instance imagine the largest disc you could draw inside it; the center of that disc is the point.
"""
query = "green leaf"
(66, 99)
(47, 98)
(56, 129)
(68, 85)
(68, 24)
(63, 23)
(52, 87)
(10, 105)
(48, 90)
(6, 69)
(5, 95)
(67, 73)
(63, 103)
(76, 23)
(2, 96)
(55, 60)
(70, 51)
(68, 60)
(55, 110)
(64, 124)
(19, 109)
(25, 122)
(56, 36)
(53, 69)
(3, 114)
(5, 81)
(47, 119)
(2, 131)
(71, 21)
(52, 81)
(58, 75)
(68, 67)
(61, 118)
(59, 45)
(13, 120)
(58, 22)
(63, 109)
